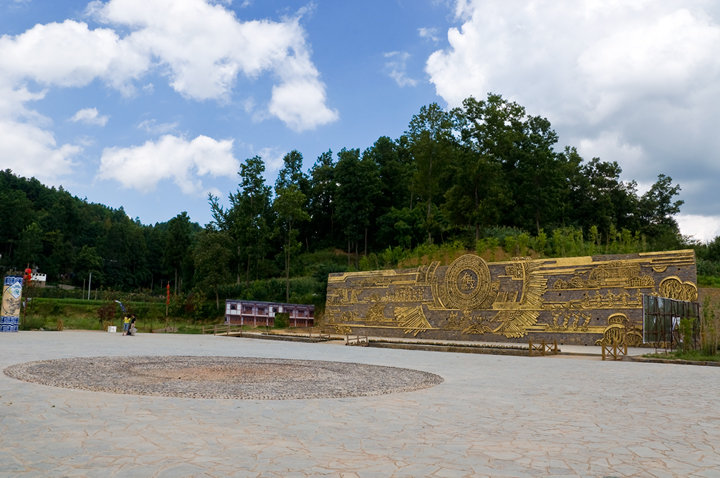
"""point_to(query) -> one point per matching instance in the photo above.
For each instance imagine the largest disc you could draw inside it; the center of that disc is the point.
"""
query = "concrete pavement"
(492, 416)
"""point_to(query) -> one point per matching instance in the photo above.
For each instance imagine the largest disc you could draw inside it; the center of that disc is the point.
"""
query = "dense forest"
(482, 176)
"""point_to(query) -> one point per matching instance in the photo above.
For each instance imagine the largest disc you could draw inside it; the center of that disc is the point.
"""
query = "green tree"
(358, 187)
(289, 205)
(431, 144)
(394, 171)
(178, 248)
(89, 261)
(657, 208)
(29, 247)
(321, 201)
(212, 256)
(247, 219)
(16, 214)
(598, 197)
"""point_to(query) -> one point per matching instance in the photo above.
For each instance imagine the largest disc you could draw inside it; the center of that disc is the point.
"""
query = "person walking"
(126, 324)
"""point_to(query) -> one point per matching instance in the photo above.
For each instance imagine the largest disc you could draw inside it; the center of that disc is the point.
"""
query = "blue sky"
(151, 104)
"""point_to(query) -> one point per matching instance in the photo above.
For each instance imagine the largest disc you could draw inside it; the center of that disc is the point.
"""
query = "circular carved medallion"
(467, 283)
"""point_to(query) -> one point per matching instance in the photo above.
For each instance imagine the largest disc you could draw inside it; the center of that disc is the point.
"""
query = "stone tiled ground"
(492, 416)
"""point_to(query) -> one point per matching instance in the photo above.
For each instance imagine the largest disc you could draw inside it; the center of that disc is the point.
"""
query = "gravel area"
(223, 377)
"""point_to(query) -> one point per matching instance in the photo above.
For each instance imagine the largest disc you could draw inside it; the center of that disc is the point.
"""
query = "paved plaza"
(498, 416)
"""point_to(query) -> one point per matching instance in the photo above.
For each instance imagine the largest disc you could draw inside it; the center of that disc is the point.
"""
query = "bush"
(710, 328)
(32, 322)
(282, 321)
(687, 324)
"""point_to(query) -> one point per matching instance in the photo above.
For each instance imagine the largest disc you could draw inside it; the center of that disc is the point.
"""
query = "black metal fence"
(662, 322)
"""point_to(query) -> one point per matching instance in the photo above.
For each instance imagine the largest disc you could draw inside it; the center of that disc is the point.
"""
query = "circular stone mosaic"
(223, 377)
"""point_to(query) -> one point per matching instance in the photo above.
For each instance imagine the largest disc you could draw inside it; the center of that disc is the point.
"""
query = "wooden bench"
(322, 333)
(543, 348)
(614, 351)
(361, 340)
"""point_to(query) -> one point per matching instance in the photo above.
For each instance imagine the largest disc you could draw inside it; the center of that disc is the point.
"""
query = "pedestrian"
(126, 324)
(132, 329)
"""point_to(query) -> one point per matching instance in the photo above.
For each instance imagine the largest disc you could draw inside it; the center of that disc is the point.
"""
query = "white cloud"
(273, 159)
(89, 116)
(396, 66)
(429, 33)
(33, 152)
(69, 54)
(201, 47)
(205, 48)
(701, 228)
(171, 157)
(152, 126)
(610, 146)
(300, 104)
(635, 81)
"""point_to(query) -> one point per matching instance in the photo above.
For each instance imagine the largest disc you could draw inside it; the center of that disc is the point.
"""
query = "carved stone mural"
(576, 300)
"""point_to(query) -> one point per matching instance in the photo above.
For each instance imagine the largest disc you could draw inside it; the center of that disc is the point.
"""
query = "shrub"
(282, 321)
(709, 329)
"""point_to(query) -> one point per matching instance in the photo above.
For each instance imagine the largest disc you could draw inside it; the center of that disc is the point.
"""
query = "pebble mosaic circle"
(223, 377)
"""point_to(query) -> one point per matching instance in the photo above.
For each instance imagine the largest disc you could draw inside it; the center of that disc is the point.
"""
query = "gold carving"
(673, 288)
(608, 300)
(470, 298)
(611, 274)
(620, 332)
(517, 317)
(467, 284)
(412, 319)
(405, 294)
(564, 321)
(376, 313)
(343, 329)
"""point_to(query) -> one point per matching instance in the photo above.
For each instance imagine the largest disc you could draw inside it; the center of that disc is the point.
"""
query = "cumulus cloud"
(151, 126)
(205, 47)
(273, 159)
(704, 228)
(429, 34)
(169, 158)
(33, 152)
(396, 66)
(200, 46)
(633, 81)
(89, 116)
(70, 54)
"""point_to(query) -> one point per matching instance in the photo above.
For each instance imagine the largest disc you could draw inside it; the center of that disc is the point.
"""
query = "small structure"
(38, 279)
(253, 312)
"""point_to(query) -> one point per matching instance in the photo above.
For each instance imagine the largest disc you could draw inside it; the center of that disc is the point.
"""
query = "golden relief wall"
(571, 300)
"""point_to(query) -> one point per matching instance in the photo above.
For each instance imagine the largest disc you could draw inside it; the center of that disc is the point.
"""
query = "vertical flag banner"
(12, 292)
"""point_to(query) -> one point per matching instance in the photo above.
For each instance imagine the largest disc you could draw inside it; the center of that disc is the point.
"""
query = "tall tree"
(657, 208)
(290, 206)
(432, 145)
(248, 217)
(177, 247)
(598, 197)
(538, 175)
(358, 189)
(394, 171)
(321, 201)
(212, 255)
